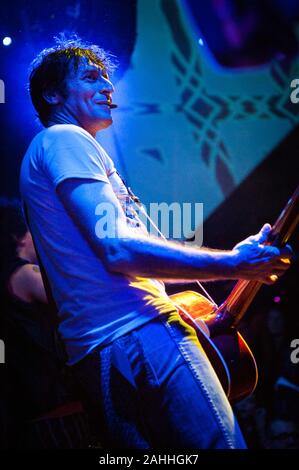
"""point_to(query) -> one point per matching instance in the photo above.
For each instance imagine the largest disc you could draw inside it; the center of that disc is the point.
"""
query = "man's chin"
(104, 123)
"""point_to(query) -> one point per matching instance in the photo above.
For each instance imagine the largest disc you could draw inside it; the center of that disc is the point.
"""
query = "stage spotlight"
(200, 42)
(7, 41)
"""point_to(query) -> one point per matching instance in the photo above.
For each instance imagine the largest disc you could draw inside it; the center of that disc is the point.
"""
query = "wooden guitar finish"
(227, 351)
(216, 328)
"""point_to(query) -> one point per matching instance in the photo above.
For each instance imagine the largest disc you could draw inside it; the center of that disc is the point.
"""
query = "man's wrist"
(229, 268)
(220, 264)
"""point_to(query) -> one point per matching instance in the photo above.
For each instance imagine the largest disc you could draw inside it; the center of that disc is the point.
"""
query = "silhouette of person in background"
(42, 410)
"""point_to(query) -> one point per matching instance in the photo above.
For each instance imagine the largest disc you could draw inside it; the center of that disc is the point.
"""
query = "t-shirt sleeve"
(72, 153)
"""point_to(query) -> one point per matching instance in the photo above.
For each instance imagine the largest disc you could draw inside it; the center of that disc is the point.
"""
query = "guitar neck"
(286, 222)
(244, 292)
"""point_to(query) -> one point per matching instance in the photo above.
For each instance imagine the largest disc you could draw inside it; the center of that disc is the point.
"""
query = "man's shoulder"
(60, 135)
(58, 130)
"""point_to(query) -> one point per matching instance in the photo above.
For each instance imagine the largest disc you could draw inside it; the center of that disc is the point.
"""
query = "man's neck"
(62, 119)
(64, 115)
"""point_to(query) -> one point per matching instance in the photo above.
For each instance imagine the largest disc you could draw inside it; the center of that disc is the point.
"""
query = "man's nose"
(107, 87)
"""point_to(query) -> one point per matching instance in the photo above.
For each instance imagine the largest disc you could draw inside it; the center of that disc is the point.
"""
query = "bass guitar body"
(226, 349)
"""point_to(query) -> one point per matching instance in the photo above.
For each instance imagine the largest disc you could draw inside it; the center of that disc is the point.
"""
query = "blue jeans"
(154, 388)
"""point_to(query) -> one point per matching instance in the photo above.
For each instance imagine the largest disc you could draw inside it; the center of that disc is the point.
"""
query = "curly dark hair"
(51, 68)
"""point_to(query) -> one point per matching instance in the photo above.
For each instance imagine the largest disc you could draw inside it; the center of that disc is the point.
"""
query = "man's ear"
(52, 97)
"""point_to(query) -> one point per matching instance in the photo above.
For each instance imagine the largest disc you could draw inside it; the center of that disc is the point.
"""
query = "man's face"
(88, 96)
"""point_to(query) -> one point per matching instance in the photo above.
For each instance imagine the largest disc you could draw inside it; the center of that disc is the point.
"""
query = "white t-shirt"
(95, 306)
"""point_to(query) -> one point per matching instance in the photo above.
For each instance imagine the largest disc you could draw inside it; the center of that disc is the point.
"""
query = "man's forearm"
(131, 254)
(157, 259)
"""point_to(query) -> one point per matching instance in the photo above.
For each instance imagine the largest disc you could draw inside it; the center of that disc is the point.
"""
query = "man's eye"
(91, 77)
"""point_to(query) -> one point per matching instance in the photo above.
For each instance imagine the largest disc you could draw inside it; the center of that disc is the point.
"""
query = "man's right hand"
(260, 262)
